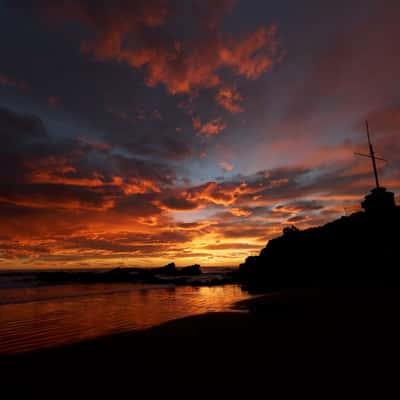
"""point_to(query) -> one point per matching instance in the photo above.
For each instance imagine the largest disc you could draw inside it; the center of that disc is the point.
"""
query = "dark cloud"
(353, 65)
(6, 80)
(22, 138)
(136, 33)
(57, 196)
(164, 146)
(38, 158)
(21, 130)
(176, 203)
(143, 103)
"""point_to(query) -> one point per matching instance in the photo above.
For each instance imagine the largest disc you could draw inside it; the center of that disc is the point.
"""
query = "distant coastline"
(192, 275)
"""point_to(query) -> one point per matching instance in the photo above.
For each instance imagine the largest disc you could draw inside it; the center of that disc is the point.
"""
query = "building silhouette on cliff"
(379, 200)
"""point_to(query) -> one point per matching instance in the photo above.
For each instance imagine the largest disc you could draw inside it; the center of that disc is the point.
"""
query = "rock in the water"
(169, 269)
(191, 270)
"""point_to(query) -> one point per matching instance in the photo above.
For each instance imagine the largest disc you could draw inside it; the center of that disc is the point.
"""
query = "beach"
(38, 317)
(278, 331)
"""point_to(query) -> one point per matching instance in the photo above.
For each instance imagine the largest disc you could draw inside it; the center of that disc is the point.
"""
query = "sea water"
(35, 316)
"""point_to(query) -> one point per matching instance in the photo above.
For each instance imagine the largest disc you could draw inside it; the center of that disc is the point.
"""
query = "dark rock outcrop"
(363, 247)
(167, 274)
(191, 270)
(169, 269)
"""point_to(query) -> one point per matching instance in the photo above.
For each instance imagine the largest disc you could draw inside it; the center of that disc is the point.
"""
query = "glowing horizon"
(143, 133)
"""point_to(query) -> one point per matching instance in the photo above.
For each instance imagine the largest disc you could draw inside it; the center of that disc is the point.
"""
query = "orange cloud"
(254, 54)
(219, 194)
(128, 186)
(199, 197)
(240, 212)
(126, 33)
(183, 67)
(136, 186)
(211, 128)
(226, 166)
(230, 99)
(58, 171)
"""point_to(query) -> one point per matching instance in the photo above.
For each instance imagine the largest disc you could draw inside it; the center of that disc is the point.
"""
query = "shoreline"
(185, 327)
(246, 316)
(250, 317)
(223, 345)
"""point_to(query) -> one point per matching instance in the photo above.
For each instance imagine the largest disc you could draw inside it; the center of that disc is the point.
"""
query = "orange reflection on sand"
(48, 316)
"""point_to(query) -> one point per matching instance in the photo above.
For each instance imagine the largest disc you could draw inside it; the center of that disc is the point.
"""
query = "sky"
(143, 132)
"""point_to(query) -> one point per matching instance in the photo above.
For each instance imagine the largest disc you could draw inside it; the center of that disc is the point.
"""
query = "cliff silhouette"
(361, 248)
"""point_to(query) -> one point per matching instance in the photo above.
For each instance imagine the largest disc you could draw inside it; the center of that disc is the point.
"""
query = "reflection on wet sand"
(47, 316)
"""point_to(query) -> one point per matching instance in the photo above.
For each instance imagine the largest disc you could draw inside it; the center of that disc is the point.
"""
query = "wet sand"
(224, 351)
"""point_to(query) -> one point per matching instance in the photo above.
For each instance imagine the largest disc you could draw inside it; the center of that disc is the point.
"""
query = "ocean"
(35, 316)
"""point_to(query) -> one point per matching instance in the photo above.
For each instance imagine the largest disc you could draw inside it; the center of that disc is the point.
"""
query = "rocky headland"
(361, 248)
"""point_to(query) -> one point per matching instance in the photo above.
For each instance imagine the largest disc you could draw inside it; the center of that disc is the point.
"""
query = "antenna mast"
(372, 155)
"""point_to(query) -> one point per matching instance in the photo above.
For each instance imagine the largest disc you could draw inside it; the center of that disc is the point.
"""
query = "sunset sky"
(141, 132)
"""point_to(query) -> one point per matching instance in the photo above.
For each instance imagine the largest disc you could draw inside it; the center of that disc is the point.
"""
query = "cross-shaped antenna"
(372, 156)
